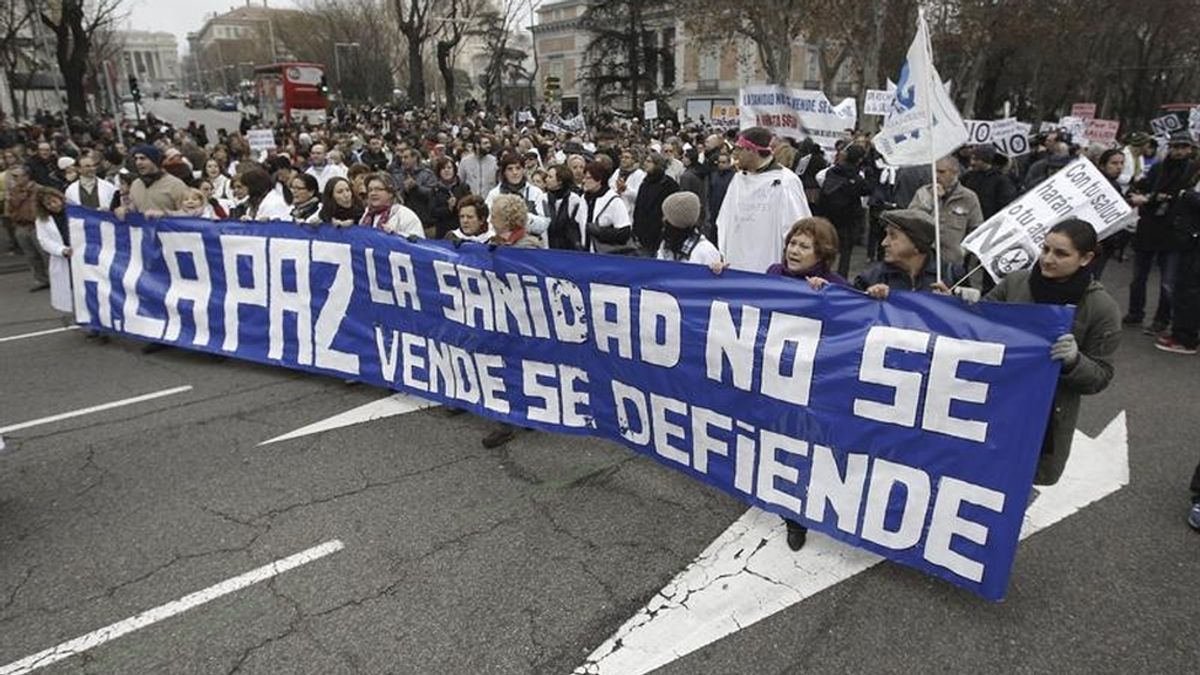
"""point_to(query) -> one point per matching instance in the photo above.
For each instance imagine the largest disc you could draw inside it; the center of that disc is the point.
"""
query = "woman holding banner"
(384, 212)
(52, 236)
(809, 253)
(1062, 277)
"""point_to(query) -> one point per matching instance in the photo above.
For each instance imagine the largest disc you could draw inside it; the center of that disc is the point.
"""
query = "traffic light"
(133, 89)
(324, 87)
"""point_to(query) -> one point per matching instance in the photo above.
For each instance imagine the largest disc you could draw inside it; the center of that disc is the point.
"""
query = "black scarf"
(334, 211)
(1069, 291)
(674, 237)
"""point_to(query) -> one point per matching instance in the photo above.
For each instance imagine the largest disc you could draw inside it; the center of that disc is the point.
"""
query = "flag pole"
(928, 96)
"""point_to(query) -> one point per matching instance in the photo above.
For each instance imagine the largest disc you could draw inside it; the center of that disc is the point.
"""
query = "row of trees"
(412, 41)
(1039, 56)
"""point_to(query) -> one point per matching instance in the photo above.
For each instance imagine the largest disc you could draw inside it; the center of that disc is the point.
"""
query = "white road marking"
(748, 573)
(152, 616)
(10, 338)
(95, 408)
(396, 404)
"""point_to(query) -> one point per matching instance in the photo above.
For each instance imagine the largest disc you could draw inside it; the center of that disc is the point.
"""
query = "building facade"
(153, 57)
(704, 71)
(228, 47)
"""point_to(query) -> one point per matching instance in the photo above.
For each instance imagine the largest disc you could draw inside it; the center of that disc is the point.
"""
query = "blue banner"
(909, 427)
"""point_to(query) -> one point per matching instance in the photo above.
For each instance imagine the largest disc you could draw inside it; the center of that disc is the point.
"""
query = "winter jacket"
(958, 215)
(445, 218)
(160, 192)
(1097, 330)
(994, 189)
(1156, 218)
(647, 209)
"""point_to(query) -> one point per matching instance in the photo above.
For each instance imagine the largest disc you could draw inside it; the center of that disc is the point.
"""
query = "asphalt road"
(175, 112)
(458, 559)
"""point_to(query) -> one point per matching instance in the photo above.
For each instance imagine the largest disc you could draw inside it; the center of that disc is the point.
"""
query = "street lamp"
(337, 62)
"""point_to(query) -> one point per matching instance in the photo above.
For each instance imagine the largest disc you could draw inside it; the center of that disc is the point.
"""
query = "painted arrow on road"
(748, 573)
(396, 404)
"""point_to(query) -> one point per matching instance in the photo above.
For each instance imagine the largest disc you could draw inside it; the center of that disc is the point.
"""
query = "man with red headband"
(763, 201)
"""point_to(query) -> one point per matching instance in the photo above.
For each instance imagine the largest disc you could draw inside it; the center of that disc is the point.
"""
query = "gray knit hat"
(681, 210)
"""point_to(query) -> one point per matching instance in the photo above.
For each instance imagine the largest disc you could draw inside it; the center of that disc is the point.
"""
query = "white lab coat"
(757, 213)
(61, 297)
(633, 183)
(104, 189)
(273, 207)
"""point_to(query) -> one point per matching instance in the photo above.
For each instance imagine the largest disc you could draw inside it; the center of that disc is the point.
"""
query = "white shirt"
(273, 207)
(104, 190)
(703, 253)
(326, 172)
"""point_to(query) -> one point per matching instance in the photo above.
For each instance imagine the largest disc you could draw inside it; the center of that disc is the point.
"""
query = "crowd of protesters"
(684, 192)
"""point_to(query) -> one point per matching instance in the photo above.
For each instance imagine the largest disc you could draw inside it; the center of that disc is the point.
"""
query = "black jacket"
(994, 189)
(647, 210)
(841, 197)
(1156, 217)
(445, 219)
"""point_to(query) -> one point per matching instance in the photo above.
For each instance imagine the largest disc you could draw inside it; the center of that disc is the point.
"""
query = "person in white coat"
(263, 202)
(513, 182)
(90, 190)
(384, 212)
(53, 237)
(626, 181)
(609, 228)
(763, 201)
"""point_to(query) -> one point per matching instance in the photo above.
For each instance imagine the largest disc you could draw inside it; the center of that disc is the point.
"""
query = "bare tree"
(498, 29)
(622, 56)
(413, 18)
(15, 18)
(74, 26)
(458, 22)
(772, 25)
(346, 35)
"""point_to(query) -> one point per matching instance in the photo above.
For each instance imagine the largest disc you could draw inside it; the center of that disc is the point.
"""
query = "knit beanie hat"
(916, 224)
(681, 210)
(151, 152)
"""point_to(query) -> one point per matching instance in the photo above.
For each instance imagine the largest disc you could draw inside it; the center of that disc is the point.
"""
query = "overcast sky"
(182, 16)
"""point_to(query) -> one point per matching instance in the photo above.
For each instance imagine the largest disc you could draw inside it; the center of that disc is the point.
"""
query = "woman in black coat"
(647, 210)
(447, 193)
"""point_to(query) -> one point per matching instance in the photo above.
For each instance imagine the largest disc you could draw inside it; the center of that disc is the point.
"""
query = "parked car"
(213, 98)
(195, 100)
(227, 104)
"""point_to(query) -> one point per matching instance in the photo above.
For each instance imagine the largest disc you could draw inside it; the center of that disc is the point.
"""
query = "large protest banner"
(797, 113)
(909, 427)
(1012, 239)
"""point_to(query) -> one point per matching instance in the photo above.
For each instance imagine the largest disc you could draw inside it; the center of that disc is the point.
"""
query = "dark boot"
(797, 534)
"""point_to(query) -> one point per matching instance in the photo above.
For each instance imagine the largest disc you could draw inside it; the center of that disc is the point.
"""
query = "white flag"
(906, 138)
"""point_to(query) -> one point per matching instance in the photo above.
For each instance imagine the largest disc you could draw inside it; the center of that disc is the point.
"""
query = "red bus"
(291, 91)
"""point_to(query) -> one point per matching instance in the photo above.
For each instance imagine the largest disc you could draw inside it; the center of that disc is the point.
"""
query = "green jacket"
(1097, 329)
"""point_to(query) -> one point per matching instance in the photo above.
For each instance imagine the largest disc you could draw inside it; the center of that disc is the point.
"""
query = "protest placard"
(909, 428)
(1009, 136)
(1102, 131)
(1166, 125)
(1074, 126)
(1194, 123)
(878, 101)
(650, 110)
(1012, 239)
(260, 140)
(725, 116)
(797, 113)
(1084, 111)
